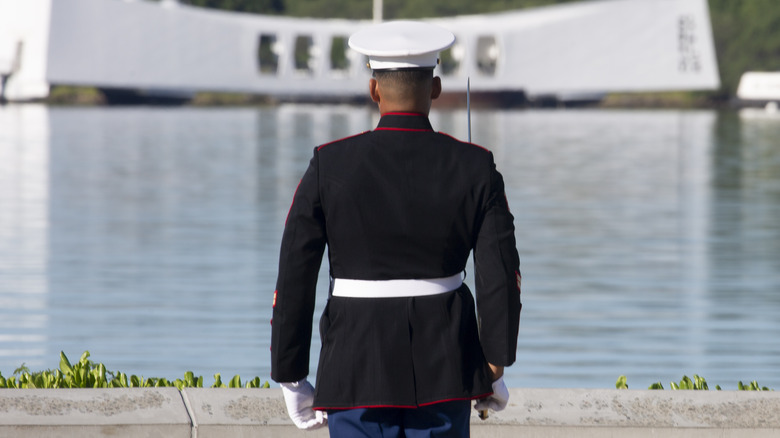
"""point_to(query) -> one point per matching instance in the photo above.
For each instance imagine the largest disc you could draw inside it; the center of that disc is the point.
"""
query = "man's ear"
(373, 89)
(436, 87)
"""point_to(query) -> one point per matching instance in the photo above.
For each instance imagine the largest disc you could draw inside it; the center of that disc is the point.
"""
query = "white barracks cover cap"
(402, 44)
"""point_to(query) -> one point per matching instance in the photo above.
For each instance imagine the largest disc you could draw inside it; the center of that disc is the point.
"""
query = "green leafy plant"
(698, 383)
(88, 374)
(656, 385)
(753, 386)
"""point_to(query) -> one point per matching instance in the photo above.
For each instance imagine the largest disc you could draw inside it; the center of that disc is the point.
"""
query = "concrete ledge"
(586, 413)
(549, 413)
(139, 412)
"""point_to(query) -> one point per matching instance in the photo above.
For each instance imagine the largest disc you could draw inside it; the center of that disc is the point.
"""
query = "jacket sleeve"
(303, 245)
(497, 276)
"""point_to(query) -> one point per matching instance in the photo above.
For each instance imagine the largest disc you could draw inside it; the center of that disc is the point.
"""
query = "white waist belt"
(343, 287)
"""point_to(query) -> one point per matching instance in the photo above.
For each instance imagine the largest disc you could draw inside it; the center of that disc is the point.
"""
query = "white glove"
(299, 398)
(497, 401)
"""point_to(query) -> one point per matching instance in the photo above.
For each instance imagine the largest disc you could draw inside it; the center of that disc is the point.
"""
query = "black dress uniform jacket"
(398, 202)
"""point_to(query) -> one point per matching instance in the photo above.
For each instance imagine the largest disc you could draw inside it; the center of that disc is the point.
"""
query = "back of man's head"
(411, 85)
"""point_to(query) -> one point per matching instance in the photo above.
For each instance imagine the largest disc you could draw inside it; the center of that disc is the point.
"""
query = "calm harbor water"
(649, 240)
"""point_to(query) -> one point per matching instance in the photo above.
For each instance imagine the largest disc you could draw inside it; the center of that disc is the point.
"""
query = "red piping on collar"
(403, 129)
(401, 113)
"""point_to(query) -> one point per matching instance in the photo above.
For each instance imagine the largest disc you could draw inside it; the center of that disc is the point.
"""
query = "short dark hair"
(406, 81)
(404, 75)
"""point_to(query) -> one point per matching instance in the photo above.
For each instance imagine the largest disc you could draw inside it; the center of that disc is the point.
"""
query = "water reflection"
(149, 236)
(24, 195)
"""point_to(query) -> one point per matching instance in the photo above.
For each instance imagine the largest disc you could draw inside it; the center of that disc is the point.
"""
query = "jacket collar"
(404, 122)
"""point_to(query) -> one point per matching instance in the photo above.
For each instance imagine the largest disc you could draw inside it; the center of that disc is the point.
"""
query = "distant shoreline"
(88, 96)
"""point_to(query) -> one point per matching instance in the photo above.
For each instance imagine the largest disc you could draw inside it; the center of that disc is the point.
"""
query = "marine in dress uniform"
(399, 209)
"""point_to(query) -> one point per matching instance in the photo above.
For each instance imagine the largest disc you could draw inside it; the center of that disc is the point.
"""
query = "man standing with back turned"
(399, 208)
